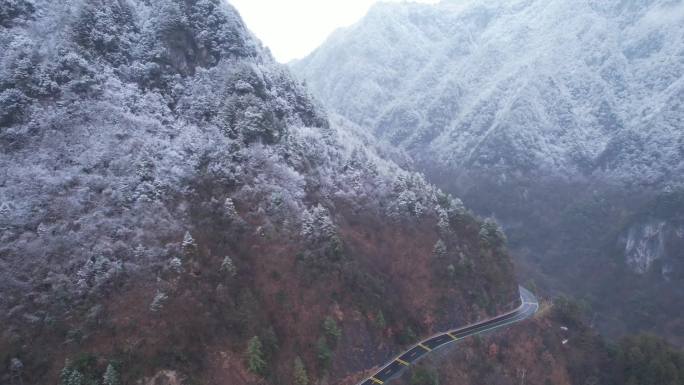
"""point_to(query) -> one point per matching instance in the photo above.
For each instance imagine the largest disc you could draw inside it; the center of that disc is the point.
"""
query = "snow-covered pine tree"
(158, 301)
(111, 376)
(41, 230)
(325, 226)
(228, 267)
(308, 229)
(188, 241)
(443, 222)
(176, 265)
(71, 376)
(491, 232)
(229, 209)
(189, 246)
(440, 249)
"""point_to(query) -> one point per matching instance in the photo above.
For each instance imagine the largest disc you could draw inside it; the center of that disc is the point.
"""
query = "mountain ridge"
(490, 61)
(176, 208)
(560, 119)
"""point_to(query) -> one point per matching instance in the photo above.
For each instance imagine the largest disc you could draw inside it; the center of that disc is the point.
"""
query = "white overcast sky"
(294, 28)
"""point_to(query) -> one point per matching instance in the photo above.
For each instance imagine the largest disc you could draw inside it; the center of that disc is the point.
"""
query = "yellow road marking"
(399, 360)
(425, 347)
(376, 381)
(453, 337)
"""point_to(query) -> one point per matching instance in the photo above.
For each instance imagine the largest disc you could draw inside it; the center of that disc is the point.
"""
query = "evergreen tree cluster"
(85, 371)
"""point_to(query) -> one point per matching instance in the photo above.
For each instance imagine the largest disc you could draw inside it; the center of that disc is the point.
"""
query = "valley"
(179, 208)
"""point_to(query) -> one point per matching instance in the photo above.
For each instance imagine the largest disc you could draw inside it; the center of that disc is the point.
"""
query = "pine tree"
(228, 267)
(308, 227)
(41, 230)
(380, 320)
(111, 376)
(491, 233)
(406, 202)
(418, 209)
(189, 246)
(145, 170)
(299, 373)
(331, 329)
(456, 208)
(158, 302)
(255, 356)
(176, 264)
(229, 208)
(188, 241)
(16, 365)
(325, 225)
(65, 373)
(440, 249)
(484, 235)
(72, 377)
(443, 223)
(16, 368)
(451, 269)
(317, 226)
(325, 354)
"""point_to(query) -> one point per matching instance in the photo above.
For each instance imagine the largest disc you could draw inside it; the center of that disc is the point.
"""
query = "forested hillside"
(175, 209)
(561, 119)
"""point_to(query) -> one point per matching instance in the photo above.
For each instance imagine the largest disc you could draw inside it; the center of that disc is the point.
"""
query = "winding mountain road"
(528, 308)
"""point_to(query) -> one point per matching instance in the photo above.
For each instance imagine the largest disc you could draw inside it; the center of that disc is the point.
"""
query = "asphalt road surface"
(528, 307)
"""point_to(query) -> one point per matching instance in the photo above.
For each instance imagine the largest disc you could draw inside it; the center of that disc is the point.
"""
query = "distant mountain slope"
(564, 119)
(174, 208)
(571, 88)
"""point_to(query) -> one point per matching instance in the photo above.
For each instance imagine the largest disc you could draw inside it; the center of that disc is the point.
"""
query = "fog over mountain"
(564, 119)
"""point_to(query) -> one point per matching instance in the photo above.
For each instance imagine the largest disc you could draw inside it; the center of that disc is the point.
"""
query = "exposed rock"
(645, 243)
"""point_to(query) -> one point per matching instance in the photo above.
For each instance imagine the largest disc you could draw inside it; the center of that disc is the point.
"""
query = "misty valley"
(443, 192)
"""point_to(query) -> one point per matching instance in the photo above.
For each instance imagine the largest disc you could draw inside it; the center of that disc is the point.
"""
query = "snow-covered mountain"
(172, 200)
(568, 87)
(564, 119)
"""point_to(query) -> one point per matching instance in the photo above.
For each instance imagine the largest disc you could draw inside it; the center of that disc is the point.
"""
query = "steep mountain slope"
(174, 208)
(517, 85)
(563, 119)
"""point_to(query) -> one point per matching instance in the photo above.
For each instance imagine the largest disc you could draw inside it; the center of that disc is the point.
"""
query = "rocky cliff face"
(644, 244)
(175, 208)
(562, 119)
(652, 242)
